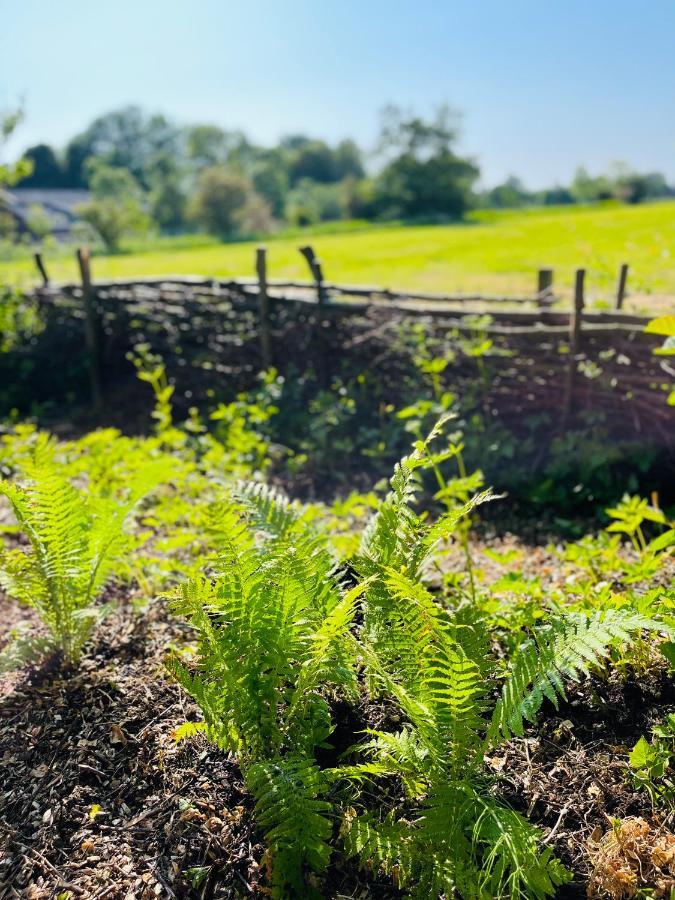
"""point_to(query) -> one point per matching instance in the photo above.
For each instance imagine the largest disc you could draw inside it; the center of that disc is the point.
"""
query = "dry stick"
(263, 307)
(574, 336)
(41, 269)
(544, 288)
(621, 285)
(90, 327)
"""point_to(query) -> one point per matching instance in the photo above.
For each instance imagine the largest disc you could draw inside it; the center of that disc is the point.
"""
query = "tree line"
(143, 172)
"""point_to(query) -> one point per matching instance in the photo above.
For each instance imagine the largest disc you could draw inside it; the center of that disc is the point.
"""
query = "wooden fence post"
(544, 288)
(577, 309)
(318, 274)
(576, 317)
(621, 285)
(317, 271)
(90, 327)
(323, 371)
(41, 269)
(263, 307)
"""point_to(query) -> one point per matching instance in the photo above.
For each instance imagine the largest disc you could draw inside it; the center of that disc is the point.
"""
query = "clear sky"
(543, 84)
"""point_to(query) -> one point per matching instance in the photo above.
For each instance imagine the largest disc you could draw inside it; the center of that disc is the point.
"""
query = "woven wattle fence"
(543, 360)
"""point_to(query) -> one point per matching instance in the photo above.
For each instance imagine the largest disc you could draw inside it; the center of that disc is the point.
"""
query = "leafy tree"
(630, 186)
(348, 160)
(37, 220)
(129, 139)
(509, 195)
(210, 145)
(424, 177)
(270, 179)
(167, 206)
(357, 197)
(205, 145)
(656, 186)
(255, 216)
(315, 161)
(310, 202)
(74, 158)
(47, 171)
(10, 173)
(294, 142)
(167, 196)
(555, 196)
(220, 203)
(115, 209)
(587, 189)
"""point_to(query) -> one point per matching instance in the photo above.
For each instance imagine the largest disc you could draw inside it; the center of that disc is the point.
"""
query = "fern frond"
(74, 541)
(482, 849)
(24, 648)
(382, 846)
(565, 650)
(326, 647)
(296, 820)
(268, 509)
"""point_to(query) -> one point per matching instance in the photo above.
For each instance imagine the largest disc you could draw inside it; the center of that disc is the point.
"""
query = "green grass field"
(494, 252)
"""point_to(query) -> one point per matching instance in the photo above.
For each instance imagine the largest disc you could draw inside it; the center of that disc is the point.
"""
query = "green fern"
(290, 807)
(459, 838)
(273, 630)
(74, 540)
(564, 650)
(456, 838)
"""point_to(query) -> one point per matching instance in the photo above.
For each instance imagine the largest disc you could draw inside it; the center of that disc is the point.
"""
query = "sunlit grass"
(494, 252)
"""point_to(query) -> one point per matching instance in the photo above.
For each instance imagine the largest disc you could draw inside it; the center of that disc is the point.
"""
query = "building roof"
(59, 206)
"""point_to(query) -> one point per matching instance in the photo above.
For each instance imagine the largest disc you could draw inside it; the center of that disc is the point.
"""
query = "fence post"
(315, 268)
(576, 317)
(316, 271)
(621, 285)
(318, 274)
(577, 309)
(41, 269)
(263, 307)
(544, 288)
(90, 327)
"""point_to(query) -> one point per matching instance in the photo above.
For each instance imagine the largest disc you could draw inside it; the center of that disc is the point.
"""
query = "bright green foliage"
(236, 448)
(629, 516)
(458, 839)
(273, 633)
(75, 540)
(651, 763)
(151, 369)
(564, 650)
(399, 539)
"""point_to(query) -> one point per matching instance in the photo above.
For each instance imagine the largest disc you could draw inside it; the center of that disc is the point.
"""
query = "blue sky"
(543, 86)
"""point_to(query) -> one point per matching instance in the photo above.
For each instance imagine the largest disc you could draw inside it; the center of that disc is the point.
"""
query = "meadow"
(492, 252)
